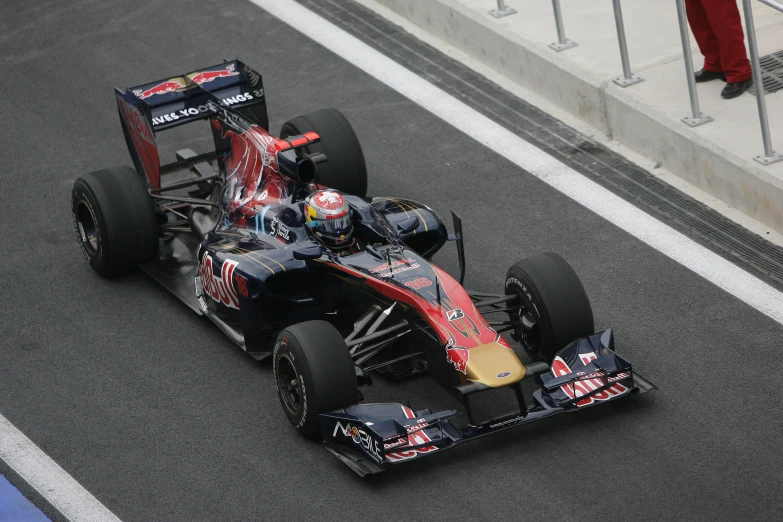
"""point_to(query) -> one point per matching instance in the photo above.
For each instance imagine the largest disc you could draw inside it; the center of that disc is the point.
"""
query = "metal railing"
(696, 118)
(502, 10)
(562, 42)
(770, 156)
(628, 78)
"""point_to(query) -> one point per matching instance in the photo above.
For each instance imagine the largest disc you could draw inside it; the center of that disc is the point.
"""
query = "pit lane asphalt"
(158, 415)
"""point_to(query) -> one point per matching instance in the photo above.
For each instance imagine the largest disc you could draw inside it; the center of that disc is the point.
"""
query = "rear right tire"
(344, 169)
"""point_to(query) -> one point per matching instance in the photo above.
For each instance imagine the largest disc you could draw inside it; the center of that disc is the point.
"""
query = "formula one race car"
(335, 286)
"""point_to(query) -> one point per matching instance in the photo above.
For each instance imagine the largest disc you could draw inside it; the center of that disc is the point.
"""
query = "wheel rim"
(529, 329)
(290, 385)
(88, 229)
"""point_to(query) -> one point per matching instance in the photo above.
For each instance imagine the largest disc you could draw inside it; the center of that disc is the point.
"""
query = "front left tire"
(314, 374)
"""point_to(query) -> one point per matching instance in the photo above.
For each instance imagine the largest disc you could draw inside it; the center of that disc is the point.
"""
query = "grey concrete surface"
(162, 418)
(646, 117)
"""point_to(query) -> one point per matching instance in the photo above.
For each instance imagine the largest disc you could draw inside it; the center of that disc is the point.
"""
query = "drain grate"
(771, 72)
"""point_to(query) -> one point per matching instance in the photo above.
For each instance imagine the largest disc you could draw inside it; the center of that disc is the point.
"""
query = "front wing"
(371, 437)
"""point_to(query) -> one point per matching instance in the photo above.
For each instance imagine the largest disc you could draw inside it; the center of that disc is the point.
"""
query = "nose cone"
(494, 365)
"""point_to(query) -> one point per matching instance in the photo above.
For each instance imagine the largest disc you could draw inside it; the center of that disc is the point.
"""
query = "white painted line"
(666, 240)
(48, 478)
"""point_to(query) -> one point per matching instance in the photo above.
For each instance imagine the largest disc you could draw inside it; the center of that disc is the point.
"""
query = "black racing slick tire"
(555, 308)
(314, 374)
(344, 169)
(115, 220)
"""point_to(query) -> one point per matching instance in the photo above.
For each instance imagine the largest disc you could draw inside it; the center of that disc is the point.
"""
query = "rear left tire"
(115, 220)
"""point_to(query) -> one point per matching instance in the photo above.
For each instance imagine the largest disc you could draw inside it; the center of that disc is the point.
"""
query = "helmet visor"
(337, 226)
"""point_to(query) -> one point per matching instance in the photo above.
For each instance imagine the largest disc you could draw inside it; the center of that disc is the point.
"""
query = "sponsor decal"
(220, 288)
(503, 375)
(396, 268)
(282, 344)
(304, 401)
(514, 281)
(399, 442)
(507, 422)
(453, 315)
(418, 283)
(330, 200)
(459, 357)
(162, 88)
(588, 385)
(393, 265)
(360, 437)
(136, 121)
(202, 304)
(208, 76)
(420, 423)
(277, 229)
(195, 111)
(414, 439)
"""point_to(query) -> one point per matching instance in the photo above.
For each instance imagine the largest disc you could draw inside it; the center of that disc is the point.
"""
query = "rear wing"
(156, 106)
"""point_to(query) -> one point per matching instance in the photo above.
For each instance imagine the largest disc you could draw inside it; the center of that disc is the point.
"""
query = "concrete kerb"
(612, 110)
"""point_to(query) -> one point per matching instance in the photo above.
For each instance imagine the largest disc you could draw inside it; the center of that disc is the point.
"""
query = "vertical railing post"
(696, 118)
(502, 10)
(562, 43)
(628, 78)
(770, 156)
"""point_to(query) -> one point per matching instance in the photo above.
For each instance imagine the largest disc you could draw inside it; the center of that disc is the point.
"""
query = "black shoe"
(706, 76)
(732, 90)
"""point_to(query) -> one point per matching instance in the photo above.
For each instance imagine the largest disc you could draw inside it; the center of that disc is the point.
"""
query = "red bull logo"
(208, 76)
(586, 387)
(220, 289)
(162, 88)
(417, 438)
(459, 357)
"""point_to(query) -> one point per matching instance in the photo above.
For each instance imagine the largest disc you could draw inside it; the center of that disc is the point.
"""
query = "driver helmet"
(328, 215)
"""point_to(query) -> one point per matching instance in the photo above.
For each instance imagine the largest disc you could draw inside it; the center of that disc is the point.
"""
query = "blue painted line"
(14, 506)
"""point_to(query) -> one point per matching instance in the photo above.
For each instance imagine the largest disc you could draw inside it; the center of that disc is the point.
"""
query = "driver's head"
(329, 216)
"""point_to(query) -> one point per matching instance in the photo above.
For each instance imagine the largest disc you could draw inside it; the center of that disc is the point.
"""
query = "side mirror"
(308, 252)
(408, 225)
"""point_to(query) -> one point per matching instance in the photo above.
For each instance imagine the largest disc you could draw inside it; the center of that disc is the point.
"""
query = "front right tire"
(555, 308)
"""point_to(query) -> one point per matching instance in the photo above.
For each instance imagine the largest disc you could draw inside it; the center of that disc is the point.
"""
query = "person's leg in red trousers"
(717, 27)
(705, 37)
